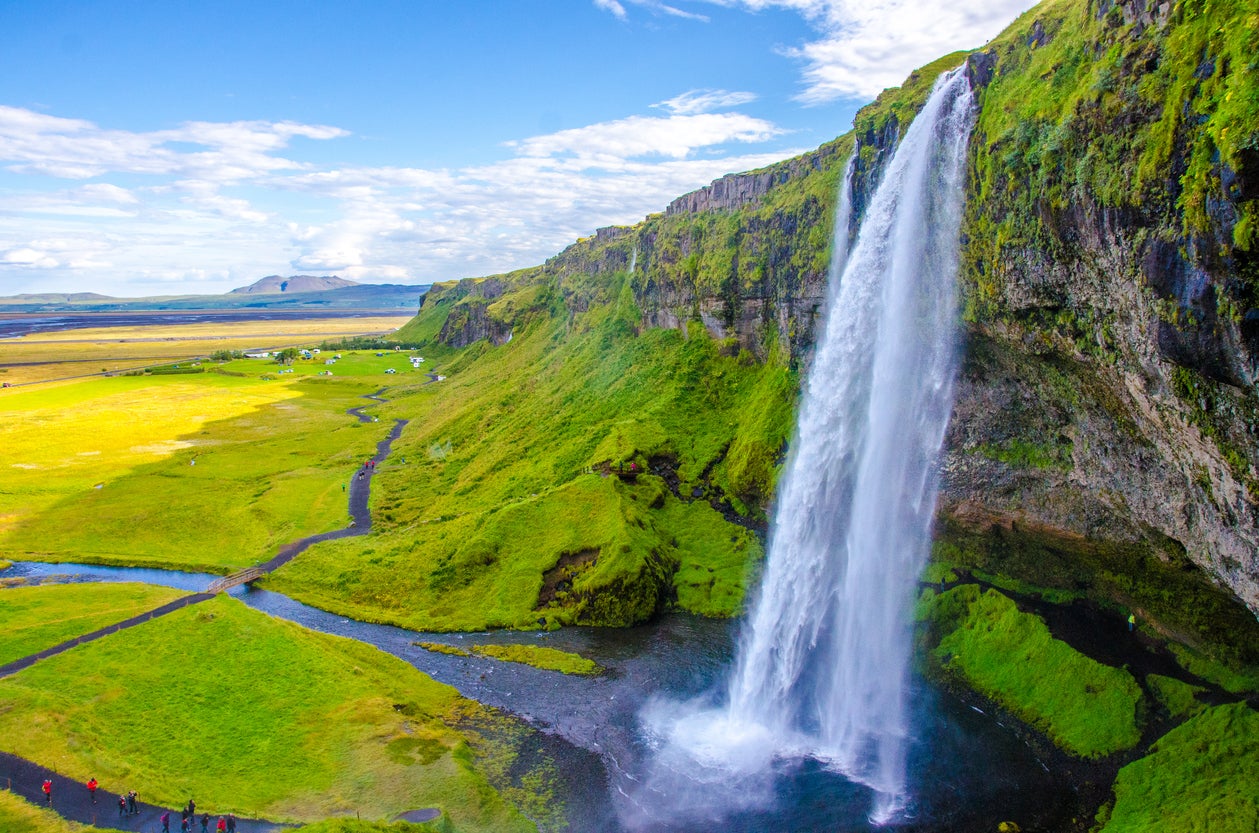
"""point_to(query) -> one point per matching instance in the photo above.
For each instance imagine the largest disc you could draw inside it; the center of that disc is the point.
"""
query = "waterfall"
(822, 666)
(825, 657)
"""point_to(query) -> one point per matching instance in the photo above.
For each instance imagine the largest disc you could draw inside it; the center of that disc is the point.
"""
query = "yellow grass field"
(206, 471)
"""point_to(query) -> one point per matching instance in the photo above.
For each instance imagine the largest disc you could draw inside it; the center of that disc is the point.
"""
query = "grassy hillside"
(577, 473)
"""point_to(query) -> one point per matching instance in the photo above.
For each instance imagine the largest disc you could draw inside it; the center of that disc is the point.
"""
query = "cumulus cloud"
(639, 136)
(37, 143)
(218, 202)
(866, 46)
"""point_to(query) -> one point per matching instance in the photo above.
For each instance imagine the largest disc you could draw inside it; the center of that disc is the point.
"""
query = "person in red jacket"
(48, 790)
(222, 825)
(91, 788)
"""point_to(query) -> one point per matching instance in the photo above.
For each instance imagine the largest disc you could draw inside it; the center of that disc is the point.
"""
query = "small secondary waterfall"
(823, 662)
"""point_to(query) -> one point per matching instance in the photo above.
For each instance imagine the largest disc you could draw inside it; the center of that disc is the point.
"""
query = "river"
(966, 770)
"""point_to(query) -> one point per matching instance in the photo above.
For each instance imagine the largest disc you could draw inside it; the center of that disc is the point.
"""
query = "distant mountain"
(295, 283)
(56, 298)
(343, 295)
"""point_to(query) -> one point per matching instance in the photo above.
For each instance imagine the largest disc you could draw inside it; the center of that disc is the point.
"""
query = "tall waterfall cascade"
(823, 664)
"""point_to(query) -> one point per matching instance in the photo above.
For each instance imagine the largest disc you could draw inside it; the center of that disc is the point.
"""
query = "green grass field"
(35, 618)
(1086, 708)
(17, 815)
(489, 514)
(256, 716)
(103, 470)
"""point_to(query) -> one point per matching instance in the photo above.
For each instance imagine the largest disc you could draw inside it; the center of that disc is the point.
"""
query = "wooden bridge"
(237, 579)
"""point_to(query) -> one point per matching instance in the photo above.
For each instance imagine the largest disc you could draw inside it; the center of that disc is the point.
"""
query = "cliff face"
(1108, 262)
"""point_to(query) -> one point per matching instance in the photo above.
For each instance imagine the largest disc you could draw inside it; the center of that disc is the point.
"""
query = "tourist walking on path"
(122, 806)
(91, 788)
(231, 823)
(221, 827)
(48, 791)
(165, 820)
(205, 822)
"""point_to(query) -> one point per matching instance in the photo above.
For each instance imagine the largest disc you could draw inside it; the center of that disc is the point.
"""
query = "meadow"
(208, 471)
(40, 617)
(260, 717)
(48, 356)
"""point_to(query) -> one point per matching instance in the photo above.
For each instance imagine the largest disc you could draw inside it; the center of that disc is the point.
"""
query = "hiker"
(165, 820)
(192, 809)
(132, 797)
(91, 788)
(122, 806)
(48, 791)
(231, 823)
(183, 825)
(205, 822)
(1132, 622)
(221, 827)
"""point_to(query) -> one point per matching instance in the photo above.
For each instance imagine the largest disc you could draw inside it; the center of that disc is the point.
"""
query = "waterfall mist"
(822, 665)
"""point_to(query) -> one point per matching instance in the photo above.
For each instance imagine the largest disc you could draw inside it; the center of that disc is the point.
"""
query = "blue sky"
(173, 148)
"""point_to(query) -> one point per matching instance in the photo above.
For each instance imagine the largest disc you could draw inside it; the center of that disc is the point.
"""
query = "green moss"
(538, 656)
(1086, 708)
(1179, 698)
(1166, 589)
(442, 648)
(1226, 676)
(1023, 454)
(1198, 778)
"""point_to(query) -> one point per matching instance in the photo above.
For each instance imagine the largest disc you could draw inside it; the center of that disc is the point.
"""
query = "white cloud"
(704, 101)
(221, 203)
(76, 149)
(638, 136)
(656, 7)
(869, 45)
(615, 8)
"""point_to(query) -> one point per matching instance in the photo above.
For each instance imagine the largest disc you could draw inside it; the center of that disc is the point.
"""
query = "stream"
(966, 770)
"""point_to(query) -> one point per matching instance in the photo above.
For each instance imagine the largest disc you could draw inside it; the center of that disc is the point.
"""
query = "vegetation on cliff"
(583, 471)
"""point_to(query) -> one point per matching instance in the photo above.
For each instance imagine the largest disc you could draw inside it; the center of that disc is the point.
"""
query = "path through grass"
(35, 618)
(252, 715)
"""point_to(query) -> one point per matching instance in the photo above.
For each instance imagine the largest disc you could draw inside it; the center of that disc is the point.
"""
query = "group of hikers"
(128, 805)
